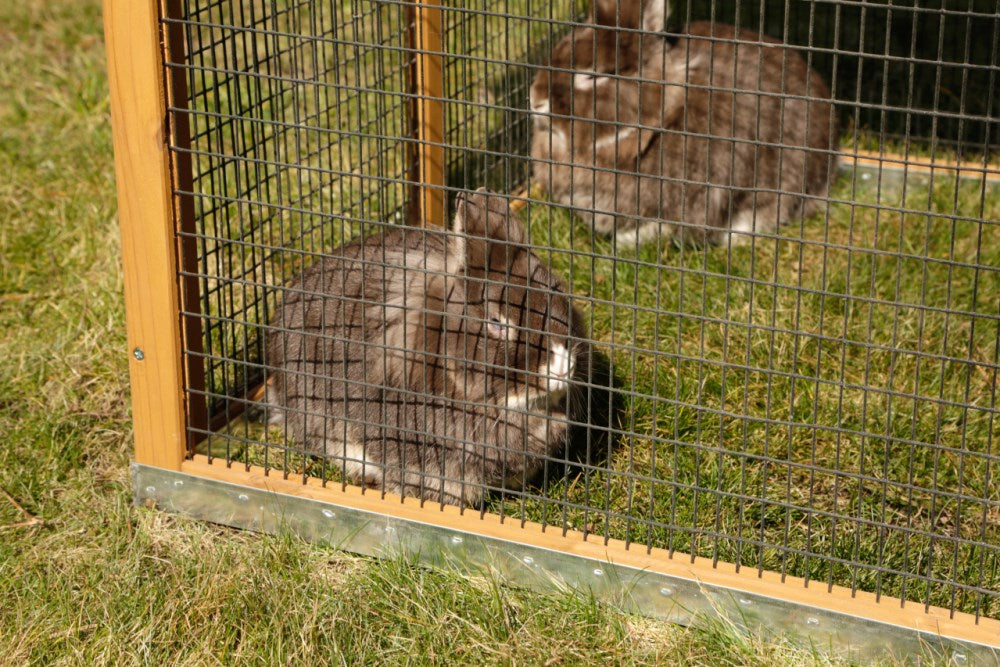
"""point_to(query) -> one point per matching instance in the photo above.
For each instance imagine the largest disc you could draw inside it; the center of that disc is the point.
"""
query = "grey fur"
(632, 138)
(401, 356)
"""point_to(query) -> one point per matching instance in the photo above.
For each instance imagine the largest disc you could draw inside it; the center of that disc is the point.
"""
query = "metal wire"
(820, 401)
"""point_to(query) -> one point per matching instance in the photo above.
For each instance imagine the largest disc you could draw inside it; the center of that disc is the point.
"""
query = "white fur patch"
(354, 462)
(605, 141)
(645, 232)
(517, 401)
(541, 111)
(556, 374)
(560, 142)
(694, 62)
(587, 80)
(620, 134)
(558, 369)
(742, 222)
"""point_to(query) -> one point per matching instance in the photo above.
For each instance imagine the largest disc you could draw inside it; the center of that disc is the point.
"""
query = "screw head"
(138, 354)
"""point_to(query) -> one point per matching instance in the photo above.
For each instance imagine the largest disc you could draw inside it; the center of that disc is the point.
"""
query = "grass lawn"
(98, 580)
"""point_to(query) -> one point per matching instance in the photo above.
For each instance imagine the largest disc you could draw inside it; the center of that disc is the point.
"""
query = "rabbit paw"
(643, 233)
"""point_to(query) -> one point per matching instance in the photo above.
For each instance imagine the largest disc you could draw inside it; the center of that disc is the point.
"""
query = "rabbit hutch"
(725, 339)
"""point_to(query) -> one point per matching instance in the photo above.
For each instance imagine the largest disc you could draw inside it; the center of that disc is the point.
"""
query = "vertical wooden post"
(428, 87)
(196, 400)
(146, 213)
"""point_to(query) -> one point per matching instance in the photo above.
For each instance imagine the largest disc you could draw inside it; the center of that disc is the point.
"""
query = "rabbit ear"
(480, 217)
(650, 15)
(624, 146)
(644, 108)
(655, 14)
(483, 214)
(615, 13)
(640, 110)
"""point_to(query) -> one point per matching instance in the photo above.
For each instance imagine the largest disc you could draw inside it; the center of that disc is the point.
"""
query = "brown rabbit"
(429, 363)
(719, 131)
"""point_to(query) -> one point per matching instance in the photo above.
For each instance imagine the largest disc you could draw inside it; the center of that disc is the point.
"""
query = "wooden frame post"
(429, 201)
(182, 171)
(146, 210)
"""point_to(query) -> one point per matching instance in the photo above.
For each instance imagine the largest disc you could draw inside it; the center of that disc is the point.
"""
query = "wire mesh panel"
(491, 51)
(290, 106)
(690, 319)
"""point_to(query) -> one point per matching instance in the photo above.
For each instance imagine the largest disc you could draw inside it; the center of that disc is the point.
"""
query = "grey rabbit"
(637, 131)
(430, 363)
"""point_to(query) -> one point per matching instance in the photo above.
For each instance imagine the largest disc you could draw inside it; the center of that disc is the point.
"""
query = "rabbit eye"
(497, 327)
(587, 80)
(583, 81)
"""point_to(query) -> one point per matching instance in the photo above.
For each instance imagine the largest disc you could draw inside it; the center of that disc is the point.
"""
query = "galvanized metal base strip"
(671, 598)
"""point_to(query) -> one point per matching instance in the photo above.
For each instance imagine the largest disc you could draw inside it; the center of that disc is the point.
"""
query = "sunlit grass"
(821, 402)
(101, 581)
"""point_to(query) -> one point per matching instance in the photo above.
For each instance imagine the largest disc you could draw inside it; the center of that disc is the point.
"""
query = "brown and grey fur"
(429, 363)
(639, 134)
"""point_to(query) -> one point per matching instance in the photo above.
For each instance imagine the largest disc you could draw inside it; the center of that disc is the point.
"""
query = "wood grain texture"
(146, 214)
(196, 400)
(429, 90)
(772, 584)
